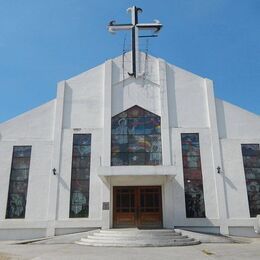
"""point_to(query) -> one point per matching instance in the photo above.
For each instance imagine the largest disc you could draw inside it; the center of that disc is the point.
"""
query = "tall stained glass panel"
(16, 203)
(193, 183)
(251, 159)
(80, 172)
(136, 138)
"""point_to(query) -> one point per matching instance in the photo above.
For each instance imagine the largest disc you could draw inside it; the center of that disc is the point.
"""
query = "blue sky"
(45, 41)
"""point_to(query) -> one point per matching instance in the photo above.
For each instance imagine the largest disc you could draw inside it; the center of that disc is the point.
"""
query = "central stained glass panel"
(136, 138)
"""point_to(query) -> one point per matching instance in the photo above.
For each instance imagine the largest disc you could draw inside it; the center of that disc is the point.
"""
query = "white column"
(217, 157)
(166, 144)
(107, 113)
(137, 58)
(54, 179)
(165, 128)
(168, 209)
(106, 157)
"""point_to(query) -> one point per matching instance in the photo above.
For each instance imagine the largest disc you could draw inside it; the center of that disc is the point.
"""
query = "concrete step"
(137, 238)
(136, 235)
(139, 244)
(96, 236)
(140, 241)
(138, 231)
(142, 232)
(134, 239)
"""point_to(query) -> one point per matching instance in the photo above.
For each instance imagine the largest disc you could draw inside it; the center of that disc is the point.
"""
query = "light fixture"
(54, 171)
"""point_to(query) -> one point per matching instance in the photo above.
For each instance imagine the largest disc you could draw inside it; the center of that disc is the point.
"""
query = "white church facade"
(111, 151)
(151, 148)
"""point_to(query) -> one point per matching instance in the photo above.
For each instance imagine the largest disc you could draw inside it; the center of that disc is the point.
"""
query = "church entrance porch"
(137, 206)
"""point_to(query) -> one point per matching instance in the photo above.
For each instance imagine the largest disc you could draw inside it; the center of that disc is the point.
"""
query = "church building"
(133, 142)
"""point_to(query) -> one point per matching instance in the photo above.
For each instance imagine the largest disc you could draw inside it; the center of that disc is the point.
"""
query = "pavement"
(63, 247)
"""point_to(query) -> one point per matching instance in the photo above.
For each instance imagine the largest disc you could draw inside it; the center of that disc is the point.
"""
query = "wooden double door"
(137, 206)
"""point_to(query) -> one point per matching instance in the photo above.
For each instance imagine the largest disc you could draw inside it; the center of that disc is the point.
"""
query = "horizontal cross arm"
(119, 27)
(150, 26)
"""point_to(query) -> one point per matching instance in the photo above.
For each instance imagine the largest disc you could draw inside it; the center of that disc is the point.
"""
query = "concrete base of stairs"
(137, 238)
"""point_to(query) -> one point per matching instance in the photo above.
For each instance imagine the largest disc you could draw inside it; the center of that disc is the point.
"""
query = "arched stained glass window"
(136, 138)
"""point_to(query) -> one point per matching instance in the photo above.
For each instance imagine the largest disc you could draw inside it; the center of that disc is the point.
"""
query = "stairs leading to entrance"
(137, 238)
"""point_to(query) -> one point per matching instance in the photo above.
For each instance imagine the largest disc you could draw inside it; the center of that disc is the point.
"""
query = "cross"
(135, 27)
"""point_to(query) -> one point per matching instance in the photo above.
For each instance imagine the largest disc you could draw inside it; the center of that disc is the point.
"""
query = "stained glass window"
(193, 183)
(80, 172)
(136, 138)
(16, 203)
(251, 159)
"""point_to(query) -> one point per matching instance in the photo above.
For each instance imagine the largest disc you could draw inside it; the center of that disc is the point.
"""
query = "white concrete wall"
(208, 172)
(34, 124)
(187, 99)
(235, 183)
(147, 68)
(236, 126)
(33, 128)
(83, 101)
(95, 189)
(86, 103)
(186, 110)
(235, 122)
(82, 113)
(135, 92)
(143, 91)
(234, 176)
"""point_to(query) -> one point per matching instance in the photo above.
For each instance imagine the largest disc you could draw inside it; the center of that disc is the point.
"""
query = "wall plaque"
(105, 206)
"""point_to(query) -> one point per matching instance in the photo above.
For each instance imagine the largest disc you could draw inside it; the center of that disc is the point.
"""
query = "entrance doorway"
(137, 206)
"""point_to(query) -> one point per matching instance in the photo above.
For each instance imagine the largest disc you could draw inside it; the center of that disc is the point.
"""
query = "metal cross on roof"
(135, 27)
